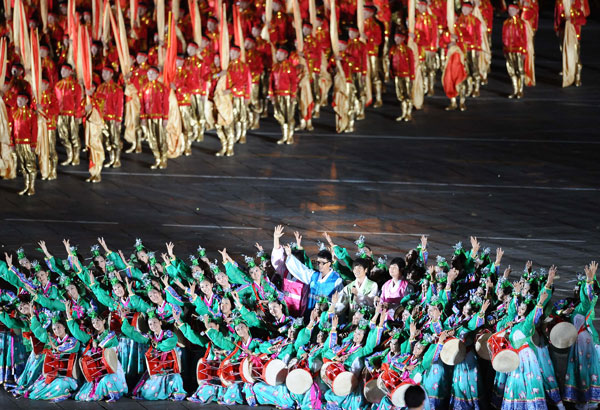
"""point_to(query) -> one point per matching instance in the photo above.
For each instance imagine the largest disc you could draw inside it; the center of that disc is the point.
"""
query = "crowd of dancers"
(288, 330)
(134, 71)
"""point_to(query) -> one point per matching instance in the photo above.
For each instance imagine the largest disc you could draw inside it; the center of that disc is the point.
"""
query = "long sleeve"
(132, 333)
(302, 272)
(220, 341)
(77, 333)
(168, 343)
(235, 274)
(38, 331)
(192, 336)
(278, 260)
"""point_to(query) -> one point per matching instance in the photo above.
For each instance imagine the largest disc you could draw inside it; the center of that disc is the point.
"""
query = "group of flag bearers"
(167, 73)
(294, 332)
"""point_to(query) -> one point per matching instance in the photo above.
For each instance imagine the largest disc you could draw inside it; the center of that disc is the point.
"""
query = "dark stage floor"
(521, 175)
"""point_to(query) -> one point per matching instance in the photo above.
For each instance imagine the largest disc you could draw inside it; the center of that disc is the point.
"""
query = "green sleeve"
(345, 272)
(303, 338)
(201, 308)
(249, 317)
(38, 330)
(56, 265)
(50, 304)
(9, 276)
(236, 275)
(306, 260)
(192, 336)
(11, 322)
(84, 275)
(115, 258)
(342, 255)
(173, 297)
(132, 333)
(172, 272)
(77, 333)
(102, 296)
(167, 344)
(220, 341)
(138, 304)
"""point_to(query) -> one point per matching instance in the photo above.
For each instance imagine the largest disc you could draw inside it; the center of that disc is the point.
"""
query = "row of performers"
(440, 335)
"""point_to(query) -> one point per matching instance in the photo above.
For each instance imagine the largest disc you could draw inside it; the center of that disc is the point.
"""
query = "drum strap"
(584, 325)
(525, 346)
(208, 349)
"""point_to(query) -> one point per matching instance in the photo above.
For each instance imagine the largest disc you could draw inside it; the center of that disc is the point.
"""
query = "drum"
(207, 371)
(99, 364)
(563, 335)
(251, 368)
(505, 359)
(390, 382)
(453, 352)
(481, 344)
(299, 380)
(138, 320)
(371, 390)
(158, 362)
(60, 365)
(275, 372)
(341, 381)
(229, 373)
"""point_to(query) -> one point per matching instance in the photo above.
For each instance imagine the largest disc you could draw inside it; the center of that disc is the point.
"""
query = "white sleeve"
(300, 271)
(278, 260)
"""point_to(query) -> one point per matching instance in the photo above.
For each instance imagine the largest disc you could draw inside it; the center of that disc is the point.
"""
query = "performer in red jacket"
(514, 40)
(111, 97)
(70, 102)
(24, 139)
(283, 87)
(154, 112)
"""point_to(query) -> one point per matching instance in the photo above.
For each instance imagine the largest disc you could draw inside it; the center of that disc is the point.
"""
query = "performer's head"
(99, 323)
(359, 335)
(211, 24)
(192, 49)
(255, 31)
(369, 11)
(66, 70)
(179, 61)
(17, 70)
(360, 268)
(281, 54)
(45, 84)
(222, 279)
(141, 57)
(249, 43)
(395, 345)
(142, 8)
(342, 44)
(234, 53)
(22, 100)
(155, 296)
(396, 268)
(155, 325)
(63, 7)
(44, 51)
(32, 24)
(118, 289)
(513, 9)
(422, 6)
(204, 43)
(276, 308)
(226, 305)
(242, 330)
(276, 6)
(324, 260)
(306, 29)
(418, 349)
(87, 17)
(95, 47)
(353, 32)
(434, 311)
(51, 18)
(467, 8)
(58, 328)
(72, 291)
(206, 287)
(25, 306)
(322, 335)
(107, 74)
(414, 398)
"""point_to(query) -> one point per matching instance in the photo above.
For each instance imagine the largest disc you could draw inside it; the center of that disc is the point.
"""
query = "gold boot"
(111, 155)
(401, 117)
(26, 180)
(163, 162)
(223, 139)
(578, 69)
(476, 88)
(408, 115)
(117, 151)
(290, 134)
(31, 190)
(452, 105)
(230, 143)
(520, 82)
(302, 125)
(462, 105)
(309, 126)
(378, 102)
(515, 85)
(469, 86)
(75, 161)
(69, 150)
(284, 135)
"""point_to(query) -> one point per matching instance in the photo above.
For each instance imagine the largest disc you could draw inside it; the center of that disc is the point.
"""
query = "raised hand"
(485, 305)
(298, 239)
(165, 258)
(120, 252)
(499, 254)
(452, 275)
(551, 275)
(518, 286)
(170, 247)
(474, 245)
(590, 270)
(278, 232)
(224, 255)
(9, 259)
(328, 239)
(42, 245)
(507, 272)
(529, 266)
(543, 298)
(288, 250)
(334, 322)
(423, 242)
(259, 247)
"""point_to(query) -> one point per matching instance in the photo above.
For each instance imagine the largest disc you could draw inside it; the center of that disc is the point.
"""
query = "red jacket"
(111, 96)
(514, 36)
(374, 36)
(239, 79)
(24, 126)
(284, 79)
(49, 107)
(154, 100)
(402, 61)
(356, 52)
(468, 30)
(70, 97)
(426, 31)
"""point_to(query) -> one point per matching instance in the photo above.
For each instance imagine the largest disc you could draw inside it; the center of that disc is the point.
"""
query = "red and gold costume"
(570, 34)
(356, 53)
(426, 37)
(239, 82)
(255, 61)
(468, 31)
(514, 40)
(283, 87)
(70, 104)
(110, 96)
(402, 64)
(280, 28)
(154, 101)
(24, 138)
(49, 70)
(374, 36)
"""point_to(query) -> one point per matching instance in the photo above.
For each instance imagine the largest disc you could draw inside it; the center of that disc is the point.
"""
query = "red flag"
(169, 65)
(96, 19)
(238, 33)
(2, 61)
(224, 39)
(36, 66)
(196, 20)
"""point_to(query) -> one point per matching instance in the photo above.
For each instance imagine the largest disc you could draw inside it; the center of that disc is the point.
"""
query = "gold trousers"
(403, 93)
(27, 167)
(514, 66)
(375, 78)
(68, 133)
(360, 93)
(474, 77)
(157, 139)
(226, 135)
(284, 107)
(112, 142)
(255, 107)
(429, 67)
(264, 92)
(187, 120)
(240, 118)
